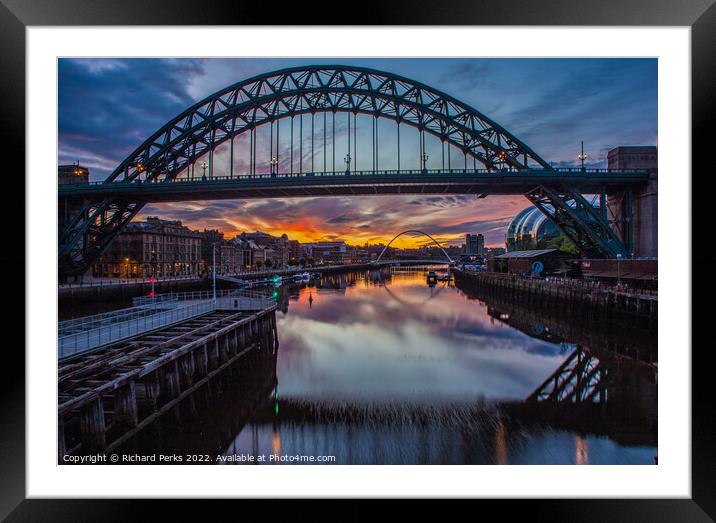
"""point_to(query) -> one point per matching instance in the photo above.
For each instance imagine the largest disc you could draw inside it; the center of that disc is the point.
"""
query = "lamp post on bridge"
(347, 159)
(273, 163)
(582, 156)
(204, 166)
(213, 271)
(424, 160)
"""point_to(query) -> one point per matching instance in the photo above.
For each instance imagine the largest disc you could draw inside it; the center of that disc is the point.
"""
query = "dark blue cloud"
(108, 107)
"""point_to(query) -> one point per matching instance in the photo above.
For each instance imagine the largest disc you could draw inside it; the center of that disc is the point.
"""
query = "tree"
(259, 264)
(563, 244)
(302, 261)
(268, 264)
(310, 261)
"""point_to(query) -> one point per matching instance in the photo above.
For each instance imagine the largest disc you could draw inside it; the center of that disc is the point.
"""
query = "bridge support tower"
(633, 212)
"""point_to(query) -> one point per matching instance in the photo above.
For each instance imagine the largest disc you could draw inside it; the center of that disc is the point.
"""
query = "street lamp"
(213, 270)
(582, 156)
(204, 165)
(273, 163)
(424, 159)
(619, 274)
(347, 159)
(501, 157)
(140, 170)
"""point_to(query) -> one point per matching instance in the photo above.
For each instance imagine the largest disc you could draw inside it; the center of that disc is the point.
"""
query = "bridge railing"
(199, 295)
(149, 313)
(68, 327)
(128, 281)
(379, 172)
(91, 335)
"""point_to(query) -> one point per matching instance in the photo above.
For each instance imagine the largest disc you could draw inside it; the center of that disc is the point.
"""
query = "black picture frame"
(699, 15)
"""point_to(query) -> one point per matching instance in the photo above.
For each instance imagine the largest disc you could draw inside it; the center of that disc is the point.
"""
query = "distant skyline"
(107, 107)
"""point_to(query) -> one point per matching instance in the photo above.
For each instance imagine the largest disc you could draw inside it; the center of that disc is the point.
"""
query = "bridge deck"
(452, 181)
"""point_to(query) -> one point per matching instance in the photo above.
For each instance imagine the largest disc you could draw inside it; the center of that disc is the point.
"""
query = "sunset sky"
(107, 107)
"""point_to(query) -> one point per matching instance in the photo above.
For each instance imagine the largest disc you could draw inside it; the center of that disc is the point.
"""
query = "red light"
(151, 294)
(151, 280)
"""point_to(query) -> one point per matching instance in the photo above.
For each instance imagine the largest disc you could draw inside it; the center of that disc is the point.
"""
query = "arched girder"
(301, 90)
(413, 231)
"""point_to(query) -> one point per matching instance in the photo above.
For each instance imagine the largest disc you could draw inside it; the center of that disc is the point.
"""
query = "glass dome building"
(528, 229)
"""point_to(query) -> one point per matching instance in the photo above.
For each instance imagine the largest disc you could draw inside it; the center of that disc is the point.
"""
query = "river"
(378, 367)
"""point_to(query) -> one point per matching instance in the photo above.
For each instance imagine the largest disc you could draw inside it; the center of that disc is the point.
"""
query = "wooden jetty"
(107, 396)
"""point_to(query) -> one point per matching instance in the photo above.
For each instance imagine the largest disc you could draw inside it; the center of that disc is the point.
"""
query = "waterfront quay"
(100, 291)
(107, 394)
(582, 298)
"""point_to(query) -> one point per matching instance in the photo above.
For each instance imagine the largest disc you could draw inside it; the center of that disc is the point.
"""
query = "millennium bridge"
(295, 114)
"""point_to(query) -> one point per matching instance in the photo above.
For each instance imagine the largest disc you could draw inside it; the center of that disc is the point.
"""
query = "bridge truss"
(89, 222)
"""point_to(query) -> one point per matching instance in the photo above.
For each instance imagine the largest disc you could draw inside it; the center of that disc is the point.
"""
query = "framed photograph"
(419, 256)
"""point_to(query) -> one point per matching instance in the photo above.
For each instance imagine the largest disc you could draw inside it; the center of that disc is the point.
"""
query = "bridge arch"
(295, 91)
(90, 223)
(413, 231)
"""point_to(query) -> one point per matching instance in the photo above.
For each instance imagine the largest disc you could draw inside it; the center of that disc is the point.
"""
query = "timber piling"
(107, 396)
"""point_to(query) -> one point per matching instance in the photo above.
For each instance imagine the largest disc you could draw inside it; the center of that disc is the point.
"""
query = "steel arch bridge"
(162, 168)
(413, 231)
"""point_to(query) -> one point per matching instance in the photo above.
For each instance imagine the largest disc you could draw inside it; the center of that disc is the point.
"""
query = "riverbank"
(105, 295)
(579, 298)
(125, 289)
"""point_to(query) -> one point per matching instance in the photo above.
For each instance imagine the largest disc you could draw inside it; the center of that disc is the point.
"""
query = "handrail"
(85, 334)
(83, 341)
(98, 320)
(198, 295)
(126, 281)
(380, 172)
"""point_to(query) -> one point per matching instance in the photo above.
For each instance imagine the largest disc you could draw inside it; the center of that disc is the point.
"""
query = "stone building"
(274, 248)
(295, 251)
(329, 252)
(74, 173)
(231, 257)
(154, 247)
(474, 244)
(245, 250)
(210, 238)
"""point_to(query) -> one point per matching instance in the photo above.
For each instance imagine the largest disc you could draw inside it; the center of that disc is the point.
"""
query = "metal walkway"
(107, 396)
(149, 313)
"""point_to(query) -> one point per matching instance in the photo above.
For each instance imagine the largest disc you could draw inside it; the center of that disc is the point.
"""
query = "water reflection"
(389, 337)
(380, 368)
(582, 450)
